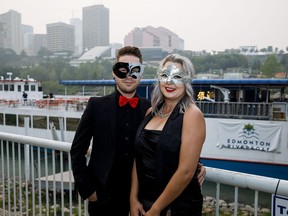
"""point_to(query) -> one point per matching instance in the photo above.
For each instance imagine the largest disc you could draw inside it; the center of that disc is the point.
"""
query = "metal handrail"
(245, 110)
(220, 176)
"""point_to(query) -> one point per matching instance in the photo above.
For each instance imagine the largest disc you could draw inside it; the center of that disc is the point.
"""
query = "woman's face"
(171, 79)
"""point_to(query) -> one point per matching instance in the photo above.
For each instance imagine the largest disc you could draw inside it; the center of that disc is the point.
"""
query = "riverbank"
(226, 204)
(209, 209)
(227, 209)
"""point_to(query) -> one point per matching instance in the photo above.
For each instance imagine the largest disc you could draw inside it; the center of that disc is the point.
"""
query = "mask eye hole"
(135, 69)
(177, 77)
(123, 70)
(163, 75)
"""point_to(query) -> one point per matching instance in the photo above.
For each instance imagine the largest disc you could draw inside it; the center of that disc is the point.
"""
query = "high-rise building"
(77, 23)
(60, 37)
(40, 41)
(95, 26)
(28, 39)
(11, 31)
(154, 37)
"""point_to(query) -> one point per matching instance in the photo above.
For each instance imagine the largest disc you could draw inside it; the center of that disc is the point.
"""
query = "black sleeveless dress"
(146, 149)
(149, 188)
(157, 158)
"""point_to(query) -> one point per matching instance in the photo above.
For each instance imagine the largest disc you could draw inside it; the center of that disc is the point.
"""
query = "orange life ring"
(40, 104)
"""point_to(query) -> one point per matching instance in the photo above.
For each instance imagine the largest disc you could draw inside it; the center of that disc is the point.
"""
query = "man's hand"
(93, 197)
(201, 174)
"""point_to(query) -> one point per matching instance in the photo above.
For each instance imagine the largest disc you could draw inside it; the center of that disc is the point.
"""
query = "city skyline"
(203, 25)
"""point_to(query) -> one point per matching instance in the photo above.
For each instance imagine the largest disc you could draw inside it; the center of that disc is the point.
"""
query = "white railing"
(243, 180)
(245, 110)
(36, 179)
(59, 103)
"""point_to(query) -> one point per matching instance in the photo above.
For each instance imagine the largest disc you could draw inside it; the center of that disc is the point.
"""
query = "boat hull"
(279, 171)
(246, 153)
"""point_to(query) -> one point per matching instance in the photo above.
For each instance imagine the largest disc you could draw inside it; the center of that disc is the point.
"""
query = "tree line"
(50, 70)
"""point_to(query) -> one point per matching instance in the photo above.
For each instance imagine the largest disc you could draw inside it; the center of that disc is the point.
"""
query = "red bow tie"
(124, 100)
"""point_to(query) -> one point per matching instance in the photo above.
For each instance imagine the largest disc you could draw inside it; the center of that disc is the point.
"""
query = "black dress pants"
(110, 206)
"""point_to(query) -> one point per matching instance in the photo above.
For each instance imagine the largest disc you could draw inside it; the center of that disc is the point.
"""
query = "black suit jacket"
(98, 123)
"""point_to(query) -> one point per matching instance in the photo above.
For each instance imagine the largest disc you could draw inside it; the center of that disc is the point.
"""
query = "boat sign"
(279, 205)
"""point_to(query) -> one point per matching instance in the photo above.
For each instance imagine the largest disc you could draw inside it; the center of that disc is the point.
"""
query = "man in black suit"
(111, 122)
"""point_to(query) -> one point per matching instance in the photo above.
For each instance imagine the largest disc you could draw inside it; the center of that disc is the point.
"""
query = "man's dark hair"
(129, 50)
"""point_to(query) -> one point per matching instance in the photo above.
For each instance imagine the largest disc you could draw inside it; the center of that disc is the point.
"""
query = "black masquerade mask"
(123, 70)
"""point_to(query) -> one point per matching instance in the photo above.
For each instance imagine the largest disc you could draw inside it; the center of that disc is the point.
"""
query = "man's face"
(128, 76)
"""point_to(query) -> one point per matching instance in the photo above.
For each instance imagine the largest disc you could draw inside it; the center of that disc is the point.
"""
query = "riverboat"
(246, 122)
(38, 115)
(246, 119)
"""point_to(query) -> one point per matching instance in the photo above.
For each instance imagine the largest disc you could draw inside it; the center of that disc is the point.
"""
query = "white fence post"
(27, 151)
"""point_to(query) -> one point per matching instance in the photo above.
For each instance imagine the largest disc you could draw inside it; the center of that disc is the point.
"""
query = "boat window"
(1, 87)
(6, 87)
(11, 87)
(40, 122)
(55, 122)
(19, 88)
(21, 120)
(1, 118)
(10, 119)
(72, 124)
(26, 87)
(33, 88)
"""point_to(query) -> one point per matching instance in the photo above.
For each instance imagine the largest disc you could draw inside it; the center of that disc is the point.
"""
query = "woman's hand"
(136, 208)
(153, 212)
(201, 174)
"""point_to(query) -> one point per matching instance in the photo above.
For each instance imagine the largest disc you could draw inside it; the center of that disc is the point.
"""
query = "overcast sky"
(203, 24)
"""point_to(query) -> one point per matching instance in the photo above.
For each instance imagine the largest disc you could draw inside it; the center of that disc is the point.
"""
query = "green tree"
(43, 51)
(270, 66)
(65, 75)
(23, 53)
(220, 61)
(284, 62)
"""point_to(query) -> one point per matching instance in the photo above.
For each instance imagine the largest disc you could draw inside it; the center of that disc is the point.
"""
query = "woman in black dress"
(168, 146)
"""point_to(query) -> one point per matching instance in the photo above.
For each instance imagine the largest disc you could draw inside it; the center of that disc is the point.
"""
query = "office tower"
(40, 41)
(28, 39)
(77, 23)
(154, 37)
(60, 38)
(95, 26)
(11, 31)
